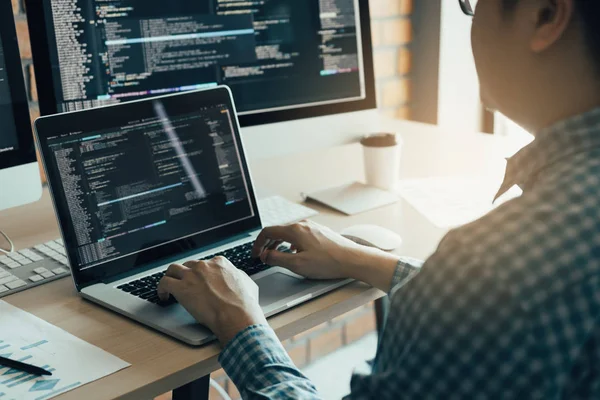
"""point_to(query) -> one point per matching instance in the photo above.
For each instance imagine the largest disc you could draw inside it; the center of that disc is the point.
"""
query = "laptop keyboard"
(240, 256)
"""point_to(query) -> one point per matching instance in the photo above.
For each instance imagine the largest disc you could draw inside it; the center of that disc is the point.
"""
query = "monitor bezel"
(164, 254)
(25, 153)
(47, 94)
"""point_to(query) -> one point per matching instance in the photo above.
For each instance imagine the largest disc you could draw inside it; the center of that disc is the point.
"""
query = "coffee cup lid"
(381, 139)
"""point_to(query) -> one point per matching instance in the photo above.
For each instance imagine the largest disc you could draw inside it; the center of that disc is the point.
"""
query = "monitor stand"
(20, 185)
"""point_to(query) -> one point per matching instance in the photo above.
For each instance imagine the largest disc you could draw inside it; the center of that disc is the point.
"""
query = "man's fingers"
(274, 245)
(279, 259)
(168, 286)
(274, 234)
(192, 264)
(176, 271)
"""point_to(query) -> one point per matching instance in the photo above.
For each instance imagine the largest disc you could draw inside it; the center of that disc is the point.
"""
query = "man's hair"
(589, 13)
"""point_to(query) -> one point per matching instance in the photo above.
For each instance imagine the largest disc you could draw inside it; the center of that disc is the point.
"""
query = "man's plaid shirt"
(507, 307)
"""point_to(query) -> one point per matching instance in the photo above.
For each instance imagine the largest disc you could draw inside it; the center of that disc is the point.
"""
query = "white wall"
(267, 141)
(459, 101)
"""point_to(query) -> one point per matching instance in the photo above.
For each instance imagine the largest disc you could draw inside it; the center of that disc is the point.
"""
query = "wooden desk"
(159, 363)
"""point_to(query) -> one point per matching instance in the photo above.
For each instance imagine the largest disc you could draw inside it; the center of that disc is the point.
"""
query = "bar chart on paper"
(73, 362)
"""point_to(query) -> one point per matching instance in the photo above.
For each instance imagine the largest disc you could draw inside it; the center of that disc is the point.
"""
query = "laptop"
(141, 185)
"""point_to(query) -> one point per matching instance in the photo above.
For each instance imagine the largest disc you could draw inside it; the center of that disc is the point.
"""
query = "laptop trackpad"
(278, 286)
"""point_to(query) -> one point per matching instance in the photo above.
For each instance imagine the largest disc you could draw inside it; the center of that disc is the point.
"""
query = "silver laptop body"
(141, 185)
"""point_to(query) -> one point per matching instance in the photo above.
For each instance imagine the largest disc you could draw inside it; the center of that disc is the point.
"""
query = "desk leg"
(196, 390)
(382, 306)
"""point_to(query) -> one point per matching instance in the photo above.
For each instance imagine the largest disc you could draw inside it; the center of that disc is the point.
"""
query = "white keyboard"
(276, 210)
(32, 267)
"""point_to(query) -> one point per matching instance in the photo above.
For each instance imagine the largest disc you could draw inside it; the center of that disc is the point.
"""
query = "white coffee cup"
(382, 153)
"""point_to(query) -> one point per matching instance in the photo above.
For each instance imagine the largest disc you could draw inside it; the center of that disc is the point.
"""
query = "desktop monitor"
(19, 173)
(283, 59)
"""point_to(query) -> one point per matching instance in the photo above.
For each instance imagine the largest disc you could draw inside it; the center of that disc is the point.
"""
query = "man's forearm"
(371, 266)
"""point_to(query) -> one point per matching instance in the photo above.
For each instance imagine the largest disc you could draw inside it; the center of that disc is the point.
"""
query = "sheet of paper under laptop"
(72, 361)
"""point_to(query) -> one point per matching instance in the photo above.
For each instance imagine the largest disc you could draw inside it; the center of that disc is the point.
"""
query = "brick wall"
(392, 35)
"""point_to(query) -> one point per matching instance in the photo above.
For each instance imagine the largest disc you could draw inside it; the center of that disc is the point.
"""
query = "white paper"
(354, 198)
(450, 202)
(72, 361)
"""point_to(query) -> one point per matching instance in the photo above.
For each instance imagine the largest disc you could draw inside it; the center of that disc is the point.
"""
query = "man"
(508, 306)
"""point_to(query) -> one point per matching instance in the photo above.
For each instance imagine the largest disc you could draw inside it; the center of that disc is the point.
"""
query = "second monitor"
(283, 59)
(19, 174)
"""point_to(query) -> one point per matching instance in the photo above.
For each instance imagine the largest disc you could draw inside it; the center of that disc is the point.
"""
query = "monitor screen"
(8, 131)
(16, 140)
(275, 55)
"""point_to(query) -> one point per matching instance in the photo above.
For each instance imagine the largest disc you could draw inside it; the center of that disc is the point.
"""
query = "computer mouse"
(373, 236)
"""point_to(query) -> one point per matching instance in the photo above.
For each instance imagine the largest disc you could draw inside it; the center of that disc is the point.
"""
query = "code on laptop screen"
(150, 182)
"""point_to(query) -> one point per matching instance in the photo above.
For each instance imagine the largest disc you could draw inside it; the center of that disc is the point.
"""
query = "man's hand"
(216, 293)
(320, 253)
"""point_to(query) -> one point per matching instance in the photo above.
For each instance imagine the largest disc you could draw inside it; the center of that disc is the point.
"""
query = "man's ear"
(552, 18)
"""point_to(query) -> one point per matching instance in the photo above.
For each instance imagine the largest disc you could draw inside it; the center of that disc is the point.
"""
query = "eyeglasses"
(468, 6)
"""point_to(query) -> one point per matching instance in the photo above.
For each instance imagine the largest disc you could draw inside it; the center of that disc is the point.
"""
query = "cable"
(219, 389)
(11, 244)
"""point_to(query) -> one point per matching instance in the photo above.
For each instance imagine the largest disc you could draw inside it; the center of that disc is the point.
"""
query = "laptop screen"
(151, 174)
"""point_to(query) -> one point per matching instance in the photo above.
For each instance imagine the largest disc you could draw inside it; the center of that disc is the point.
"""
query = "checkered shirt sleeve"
(260, 368)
